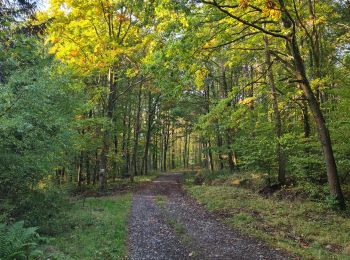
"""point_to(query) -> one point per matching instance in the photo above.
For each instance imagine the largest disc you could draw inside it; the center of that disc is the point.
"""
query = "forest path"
(166, 224)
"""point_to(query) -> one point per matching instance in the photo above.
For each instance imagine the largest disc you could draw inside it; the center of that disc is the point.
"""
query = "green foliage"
(39, 99)
(44, 209)
(19, 242)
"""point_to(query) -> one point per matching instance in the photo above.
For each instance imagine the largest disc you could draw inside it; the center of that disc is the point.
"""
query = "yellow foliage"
(74, 53)
(200, 76)
(211, 43)
(247, 101)
(81, 36)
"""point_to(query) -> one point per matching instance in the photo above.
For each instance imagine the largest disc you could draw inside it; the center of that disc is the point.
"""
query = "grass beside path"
(94, 226)
(305, 228)
(98, 230)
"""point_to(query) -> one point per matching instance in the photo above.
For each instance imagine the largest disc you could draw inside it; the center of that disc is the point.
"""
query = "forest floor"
(286, 219)
(97, 229)
(165, 223)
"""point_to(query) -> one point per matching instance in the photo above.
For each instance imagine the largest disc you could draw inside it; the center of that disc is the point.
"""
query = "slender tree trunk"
(151, 114)
(325, 140)
(185, 149)
(188, 150)
(115, 166)
(332, 173)
(306, 119)
(228, 135)
(87, 166)
(166, 144)
(210, 154)
(136, 136)
(96, 168)
(144, 167)
(161, 147)
(155, 153)
(281, 159)
(315, 49)
(219, 144)
(80, 169)
(173, 166)
(58, 176)
(128, 138)
(230, 153)
(106, 135)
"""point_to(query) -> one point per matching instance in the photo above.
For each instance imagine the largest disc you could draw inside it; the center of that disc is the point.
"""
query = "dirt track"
(166, 224)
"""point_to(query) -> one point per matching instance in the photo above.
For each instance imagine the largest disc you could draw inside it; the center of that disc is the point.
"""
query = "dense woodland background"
(97, 90)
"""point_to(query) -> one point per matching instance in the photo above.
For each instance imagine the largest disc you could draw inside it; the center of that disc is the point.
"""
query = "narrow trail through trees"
(166, 224)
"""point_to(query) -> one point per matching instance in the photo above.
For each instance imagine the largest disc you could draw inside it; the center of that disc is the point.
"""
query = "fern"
(17, 241)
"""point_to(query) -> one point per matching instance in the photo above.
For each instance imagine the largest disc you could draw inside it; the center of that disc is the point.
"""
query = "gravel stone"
(179, 228)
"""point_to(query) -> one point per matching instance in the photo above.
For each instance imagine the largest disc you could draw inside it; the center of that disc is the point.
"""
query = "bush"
(43, 208)
(19, 242)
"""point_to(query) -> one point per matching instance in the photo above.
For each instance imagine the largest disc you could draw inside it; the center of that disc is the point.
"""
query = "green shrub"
(43, 209)
(18, 242)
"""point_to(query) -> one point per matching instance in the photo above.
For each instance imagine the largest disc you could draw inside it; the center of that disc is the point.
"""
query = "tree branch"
(214, 3)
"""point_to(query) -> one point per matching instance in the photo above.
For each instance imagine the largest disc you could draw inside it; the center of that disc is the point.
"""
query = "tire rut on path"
(165, 224)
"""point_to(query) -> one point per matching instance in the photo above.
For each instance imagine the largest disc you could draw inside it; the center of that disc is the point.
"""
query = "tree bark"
(185, 149)
(228, 135)
(87, 166)
(80, 169)
(166, 133)
(281, 158)
(173, 148)
(210, 154)
(134, 171)
(325, 140)
(106, 135)
(332, 173)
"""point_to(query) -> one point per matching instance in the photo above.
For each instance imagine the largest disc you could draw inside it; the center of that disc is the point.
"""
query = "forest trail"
(166, 224)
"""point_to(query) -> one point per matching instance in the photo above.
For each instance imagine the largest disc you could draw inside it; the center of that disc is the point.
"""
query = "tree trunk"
(115, 166)
(332, 173)
(106, 135)
(306, 120)
(173, 148)
(325, 140)
(87, 166)
(219, 144)
(80, 169)
(228, 135)
(127, 147)
(151, 114)
(155, 153)
(166, 134)
(281, 159)
(134, 171)
(230, 158)
(185, 149)
(210, 153)
(96, 168)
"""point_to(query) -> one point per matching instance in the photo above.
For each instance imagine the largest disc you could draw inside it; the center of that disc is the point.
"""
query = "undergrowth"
(98, 230)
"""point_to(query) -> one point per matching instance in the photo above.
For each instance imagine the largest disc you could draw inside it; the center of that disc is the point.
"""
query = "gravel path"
(166, 224)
